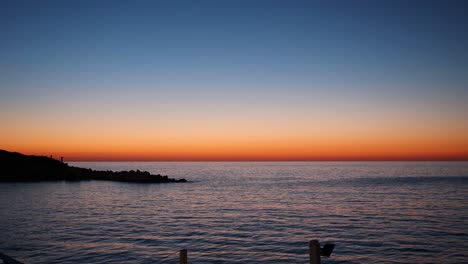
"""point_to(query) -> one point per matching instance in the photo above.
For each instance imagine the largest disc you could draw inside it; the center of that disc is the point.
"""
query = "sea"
(243, 212)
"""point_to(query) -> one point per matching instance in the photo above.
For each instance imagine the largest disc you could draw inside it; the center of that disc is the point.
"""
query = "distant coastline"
(17, 167)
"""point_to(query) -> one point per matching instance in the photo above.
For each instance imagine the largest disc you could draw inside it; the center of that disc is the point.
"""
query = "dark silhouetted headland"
(18, 167)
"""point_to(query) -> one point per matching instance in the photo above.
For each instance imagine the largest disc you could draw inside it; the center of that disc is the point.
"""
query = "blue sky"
(205, 56)
(397, 40)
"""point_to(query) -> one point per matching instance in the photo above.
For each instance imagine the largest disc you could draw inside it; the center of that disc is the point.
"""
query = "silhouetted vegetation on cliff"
(18, 167)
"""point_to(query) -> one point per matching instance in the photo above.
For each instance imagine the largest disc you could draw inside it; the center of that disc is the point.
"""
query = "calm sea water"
(252, 212)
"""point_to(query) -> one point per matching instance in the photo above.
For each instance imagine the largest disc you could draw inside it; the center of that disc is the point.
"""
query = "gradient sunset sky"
(235, 80)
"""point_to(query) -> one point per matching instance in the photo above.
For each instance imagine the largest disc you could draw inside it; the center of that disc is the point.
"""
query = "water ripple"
(414, 212)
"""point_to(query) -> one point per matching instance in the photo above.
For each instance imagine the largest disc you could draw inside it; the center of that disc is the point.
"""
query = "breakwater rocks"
(23, 168)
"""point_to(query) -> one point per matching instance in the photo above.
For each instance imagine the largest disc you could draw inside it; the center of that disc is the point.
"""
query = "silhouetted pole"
(183, 256)
(314, 252)
(61, 159)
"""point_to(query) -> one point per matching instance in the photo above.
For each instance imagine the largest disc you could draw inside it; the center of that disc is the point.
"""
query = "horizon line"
(461, 157)
(312, 160)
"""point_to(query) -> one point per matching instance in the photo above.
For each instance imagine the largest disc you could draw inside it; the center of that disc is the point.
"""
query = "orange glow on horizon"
(238, 138)
(253, 150)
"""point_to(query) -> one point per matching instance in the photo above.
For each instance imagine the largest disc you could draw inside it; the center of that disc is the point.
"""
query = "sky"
(235, 80)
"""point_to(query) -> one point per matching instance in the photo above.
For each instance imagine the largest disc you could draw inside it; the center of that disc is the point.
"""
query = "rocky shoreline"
(16, 167)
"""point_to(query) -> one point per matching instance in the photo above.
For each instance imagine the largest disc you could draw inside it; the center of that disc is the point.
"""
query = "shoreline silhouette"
(17, 167)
